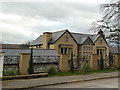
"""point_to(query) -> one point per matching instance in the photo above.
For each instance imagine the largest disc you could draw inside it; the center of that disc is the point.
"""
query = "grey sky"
(23, 21)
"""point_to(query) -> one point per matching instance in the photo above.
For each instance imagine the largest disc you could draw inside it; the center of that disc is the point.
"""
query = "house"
(82, 45)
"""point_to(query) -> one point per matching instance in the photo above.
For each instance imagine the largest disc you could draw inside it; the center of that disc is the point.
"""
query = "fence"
(11, 62)
(42, 62)
(39, 62)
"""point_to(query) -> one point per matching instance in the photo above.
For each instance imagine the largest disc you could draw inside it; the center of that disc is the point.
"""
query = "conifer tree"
(30, 69)
(71, 63)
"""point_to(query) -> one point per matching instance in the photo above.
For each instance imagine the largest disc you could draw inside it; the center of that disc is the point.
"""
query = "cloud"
(24, 21)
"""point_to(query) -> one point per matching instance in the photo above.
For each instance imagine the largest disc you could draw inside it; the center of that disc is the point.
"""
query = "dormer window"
(66, 39)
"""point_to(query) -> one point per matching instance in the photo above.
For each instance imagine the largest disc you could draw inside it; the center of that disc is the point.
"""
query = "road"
(101, 83)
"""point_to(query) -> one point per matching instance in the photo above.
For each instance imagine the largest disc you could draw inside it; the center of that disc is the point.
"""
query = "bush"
(113, 68)
(51, 70)
(85, 67)
(10, 72)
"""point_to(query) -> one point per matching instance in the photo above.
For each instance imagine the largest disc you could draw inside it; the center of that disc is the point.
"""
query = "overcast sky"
(23, 21)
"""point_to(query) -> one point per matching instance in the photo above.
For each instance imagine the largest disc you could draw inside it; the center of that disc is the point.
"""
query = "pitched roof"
(114, 50)
(13, 46)
(36, 52)
(38, 41)
(55, 36)
(79, 38)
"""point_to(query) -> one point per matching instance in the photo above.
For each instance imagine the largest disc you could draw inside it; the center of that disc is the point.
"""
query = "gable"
(104, 42)
(64, 35)
(88, 40)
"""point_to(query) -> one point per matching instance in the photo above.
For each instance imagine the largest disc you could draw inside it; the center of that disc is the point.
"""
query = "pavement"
(39, 82)
(110, 83)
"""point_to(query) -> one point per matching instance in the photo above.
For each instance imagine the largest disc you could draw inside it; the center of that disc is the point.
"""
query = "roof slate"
(80, 38)
(13, 46)
(36, 52)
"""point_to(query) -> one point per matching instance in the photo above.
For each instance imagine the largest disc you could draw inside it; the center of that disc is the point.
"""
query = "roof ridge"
(80, 33)
(59, 31)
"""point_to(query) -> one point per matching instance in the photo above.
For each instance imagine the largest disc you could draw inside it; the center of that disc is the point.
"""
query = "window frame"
(66, 39)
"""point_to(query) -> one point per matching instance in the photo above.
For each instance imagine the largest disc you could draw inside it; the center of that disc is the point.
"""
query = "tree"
(110, 60)
(30, 69)
(110, 22)
(71, 63)
(101, 61)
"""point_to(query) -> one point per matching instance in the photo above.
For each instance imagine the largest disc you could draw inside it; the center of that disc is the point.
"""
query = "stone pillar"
(63, 63)
(24, 63)
(117, 60)
(1, 63)
(93, 61)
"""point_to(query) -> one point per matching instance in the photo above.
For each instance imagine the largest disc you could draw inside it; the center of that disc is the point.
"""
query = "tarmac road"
(100, 83)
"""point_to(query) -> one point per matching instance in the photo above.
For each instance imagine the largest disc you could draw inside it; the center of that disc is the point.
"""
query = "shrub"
(10, 72)
(113, 68)
(85, 67)
(101, 61)
(51, 70)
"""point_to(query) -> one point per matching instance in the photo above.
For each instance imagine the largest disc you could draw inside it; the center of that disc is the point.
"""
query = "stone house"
(82, 45)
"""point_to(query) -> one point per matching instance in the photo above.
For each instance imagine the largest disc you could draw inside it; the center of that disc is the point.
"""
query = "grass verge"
(82, 73)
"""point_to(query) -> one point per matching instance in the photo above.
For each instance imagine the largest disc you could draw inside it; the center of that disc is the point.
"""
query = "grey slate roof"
(55, 36)
(36, 52)
(13, 46)
(113, 50)
(38, 41)
(79, 38)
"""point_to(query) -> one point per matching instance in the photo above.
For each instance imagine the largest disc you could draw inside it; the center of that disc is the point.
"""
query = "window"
(89, 42)
(84, 48)
(66, 39)
(101, 42)
(65, 50)
(101, 51)
(61, 50)
(86, 42)
(98, 51)
(69, 51)
(89, 48)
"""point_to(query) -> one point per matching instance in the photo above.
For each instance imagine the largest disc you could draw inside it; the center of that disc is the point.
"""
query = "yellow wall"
(24, 63)
(71, 41)
(97, 43)
(51, 46)
(87, 50)
(46, 37)
(63, 63)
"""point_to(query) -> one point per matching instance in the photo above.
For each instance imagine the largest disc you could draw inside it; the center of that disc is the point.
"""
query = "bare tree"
(110, 22)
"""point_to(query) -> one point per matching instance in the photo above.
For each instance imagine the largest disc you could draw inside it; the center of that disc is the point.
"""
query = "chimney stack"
(47, 36)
